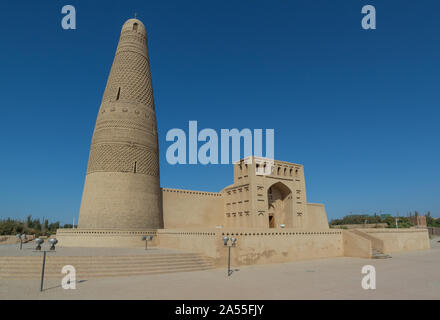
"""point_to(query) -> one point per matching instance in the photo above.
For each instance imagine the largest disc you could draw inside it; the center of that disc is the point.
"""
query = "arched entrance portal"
(279, 202)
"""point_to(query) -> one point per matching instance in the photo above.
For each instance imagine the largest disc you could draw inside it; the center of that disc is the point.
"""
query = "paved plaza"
(410, 275)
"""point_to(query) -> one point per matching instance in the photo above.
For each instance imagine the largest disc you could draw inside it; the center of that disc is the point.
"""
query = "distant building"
(418, 221)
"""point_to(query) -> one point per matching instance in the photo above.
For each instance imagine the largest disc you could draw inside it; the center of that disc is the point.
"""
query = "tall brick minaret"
(122, 188)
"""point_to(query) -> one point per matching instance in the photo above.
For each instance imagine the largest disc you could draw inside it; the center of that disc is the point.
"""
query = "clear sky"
(359, 109)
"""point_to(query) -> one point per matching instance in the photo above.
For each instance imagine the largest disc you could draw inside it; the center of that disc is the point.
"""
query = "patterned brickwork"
(130, 124)
(130, 75)
(123, 158)
(132, 38)
(122, 187)
(127, 116)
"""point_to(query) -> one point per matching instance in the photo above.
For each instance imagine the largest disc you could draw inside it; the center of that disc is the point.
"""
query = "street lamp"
(53, 242)
(225, 242)
(146, 239)
(39, 242)
(19, 237)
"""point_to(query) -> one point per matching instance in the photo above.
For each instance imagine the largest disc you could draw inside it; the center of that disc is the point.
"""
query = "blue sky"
(359, 109)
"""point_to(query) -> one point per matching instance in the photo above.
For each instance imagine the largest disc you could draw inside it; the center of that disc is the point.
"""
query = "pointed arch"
(279, 200)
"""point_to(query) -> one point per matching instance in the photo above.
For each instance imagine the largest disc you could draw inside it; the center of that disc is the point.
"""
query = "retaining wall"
(256, 246)
(398, 240)
(104, 238)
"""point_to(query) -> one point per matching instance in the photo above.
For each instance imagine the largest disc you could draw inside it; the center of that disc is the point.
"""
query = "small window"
(119, 92)
(134, 167)
(135, 26)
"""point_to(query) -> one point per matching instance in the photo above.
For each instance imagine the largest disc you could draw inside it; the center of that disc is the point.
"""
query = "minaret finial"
(135, 15)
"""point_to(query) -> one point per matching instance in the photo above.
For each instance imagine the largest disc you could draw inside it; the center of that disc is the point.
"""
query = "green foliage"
(10, 226)
(357, 219)
(432, 222)
(402, 222)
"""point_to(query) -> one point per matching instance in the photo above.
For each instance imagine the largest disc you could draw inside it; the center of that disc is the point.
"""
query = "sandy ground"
(410, 275)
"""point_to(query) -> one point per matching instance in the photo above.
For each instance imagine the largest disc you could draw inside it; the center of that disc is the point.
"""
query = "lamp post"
(146, 239)
(232, 244)
(19, 236)
(39, 242)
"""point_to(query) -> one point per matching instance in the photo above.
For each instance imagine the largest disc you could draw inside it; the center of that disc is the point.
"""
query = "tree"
(45, 226)
(28, 223)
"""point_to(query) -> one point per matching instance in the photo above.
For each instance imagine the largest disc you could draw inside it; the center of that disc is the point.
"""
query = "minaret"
(122, 188)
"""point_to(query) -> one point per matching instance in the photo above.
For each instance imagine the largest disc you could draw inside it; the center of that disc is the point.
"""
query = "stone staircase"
(376, 244)
(379, 255)
(22, 267)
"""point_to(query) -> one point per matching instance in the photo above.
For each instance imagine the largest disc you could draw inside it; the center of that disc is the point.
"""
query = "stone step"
(20, 263)
(379, 255)
(98, 261)
(102, 266)
(99, 270)
(103, 270)
(101, 263)
(102, 274)
(120, 264)
(99, 258)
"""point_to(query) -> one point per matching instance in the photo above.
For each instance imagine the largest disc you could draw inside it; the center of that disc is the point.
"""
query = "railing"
(434, 232)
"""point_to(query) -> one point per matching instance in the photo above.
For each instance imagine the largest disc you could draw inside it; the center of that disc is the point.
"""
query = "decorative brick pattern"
(122, 158)
(138, 124)
(127, 120)
(122, 187)
(130, 74)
